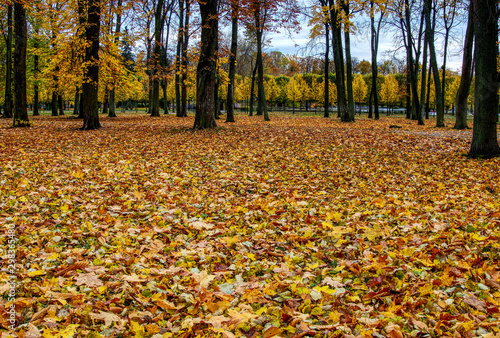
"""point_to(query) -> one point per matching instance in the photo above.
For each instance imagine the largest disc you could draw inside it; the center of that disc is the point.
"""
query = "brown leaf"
(475, 302)
(88, 279)
(420, 325)
(108, 318)
(492, 283)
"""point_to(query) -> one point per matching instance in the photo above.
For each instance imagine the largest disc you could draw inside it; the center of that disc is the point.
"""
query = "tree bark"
(466, 78)
(184, 61)
(423, 81)
(207, 64)
(261, 95)
(252, 89)
(327, 71)
(232, 62)
(112, 92)
(60, 104)
(8, 67)
(76, 108)
(349, 78)
(339, 62)
(155, 100)
(484, 136)
(21, 43)
(413, 78)
(91, 71)
(434, 66)
(178, 79)
(375, 33)
(36, 71)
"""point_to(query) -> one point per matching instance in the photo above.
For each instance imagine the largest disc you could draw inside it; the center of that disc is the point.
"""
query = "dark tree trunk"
(232, 62)
(184, 62)
(54, 104)
(326, 70)
(60, 104)
(76, 108)
(261, 95)
(252, 89)
(413, 77)
(349, 78)
(375, 33)
(155, 100)
(36, 70)
(339, 62)
(8, 67)
(435, 70)
(91, 71)
(112, 93)
(466, 78)
(421, 112)
(105, 104)
(178, 79)
(428, 95)
(21, 38)
(484, 136)
(207, 64)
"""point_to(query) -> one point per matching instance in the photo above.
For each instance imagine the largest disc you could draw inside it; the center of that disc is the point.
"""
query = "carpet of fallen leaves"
(298, 227)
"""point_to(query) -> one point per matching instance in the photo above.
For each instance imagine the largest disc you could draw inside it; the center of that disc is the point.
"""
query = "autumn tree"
(429, 32)
(207, 65)
(484, 138)
(235, 9)
(389, 90)
(21, 42)
(466, 78)
(116, 40)
(266, 16)
(338, 56)
(359, 89)
(375, 26)
(91, 66)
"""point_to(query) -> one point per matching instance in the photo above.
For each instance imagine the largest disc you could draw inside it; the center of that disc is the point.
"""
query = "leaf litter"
(294, 228)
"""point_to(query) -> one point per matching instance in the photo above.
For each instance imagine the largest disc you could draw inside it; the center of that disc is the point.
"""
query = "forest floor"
(298, 227)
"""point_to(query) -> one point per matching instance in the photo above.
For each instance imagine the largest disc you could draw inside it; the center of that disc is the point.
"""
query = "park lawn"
(302, 226)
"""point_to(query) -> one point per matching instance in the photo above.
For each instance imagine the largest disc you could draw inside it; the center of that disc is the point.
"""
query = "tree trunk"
(54, 104)
(252, 89)
(375, 33)
(327, 71)
(207, 64)
(423, 81)
(232, 62)
(36, 71)
(484, 136)
(466, 78)
(349, 78)
(60, 104)
(184, 62)
(261, 95)
(155, 100)
(435, 71)
(178, 79)
(21, 43)
(105, 104)
(76, 108)
(339, 62)
(91, 71)
(413, 79)
(8, 67)
(112, 94)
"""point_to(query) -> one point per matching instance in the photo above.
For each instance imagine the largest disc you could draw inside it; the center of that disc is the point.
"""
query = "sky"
(360, 47)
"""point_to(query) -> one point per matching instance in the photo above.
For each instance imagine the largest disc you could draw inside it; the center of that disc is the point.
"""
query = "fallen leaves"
(299, 227)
